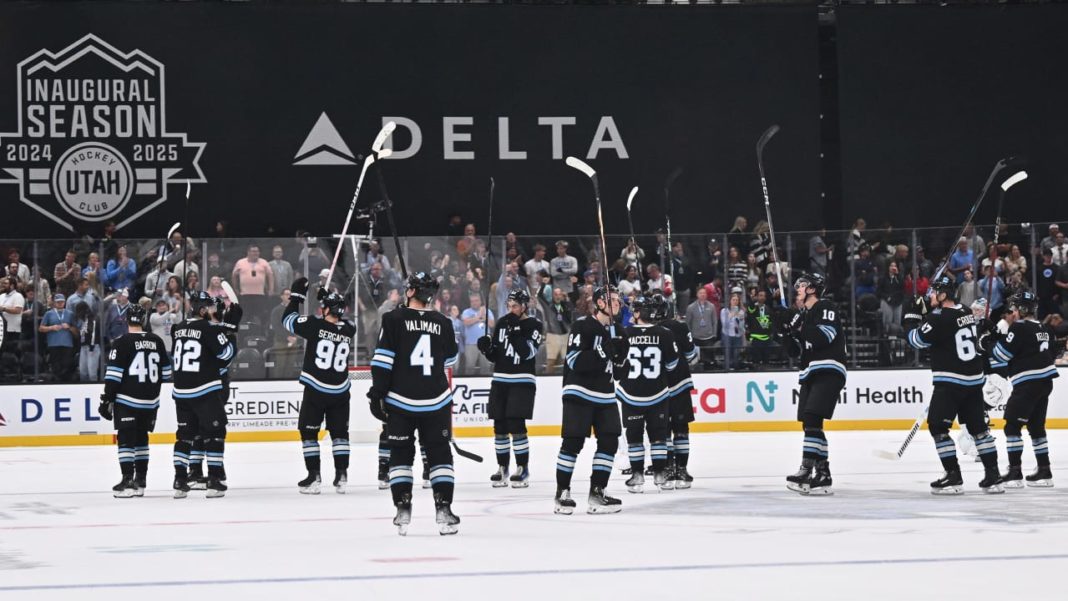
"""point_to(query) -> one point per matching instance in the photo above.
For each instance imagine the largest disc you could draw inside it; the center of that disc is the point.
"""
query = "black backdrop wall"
(691, 87)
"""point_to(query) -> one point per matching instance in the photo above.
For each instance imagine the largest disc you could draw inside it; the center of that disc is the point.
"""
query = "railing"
(856, 264)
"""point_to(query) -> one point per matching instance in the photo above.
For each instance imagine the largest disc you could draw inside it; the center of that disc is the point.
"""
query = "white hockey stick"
(894, 456)
(590, 173)
(761, 143)
(229, 290)
(630, 222)
(377, 152)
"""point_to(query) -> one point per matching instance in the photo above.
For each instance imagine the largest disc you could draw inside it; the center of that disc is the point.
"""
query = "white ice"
(738, 534)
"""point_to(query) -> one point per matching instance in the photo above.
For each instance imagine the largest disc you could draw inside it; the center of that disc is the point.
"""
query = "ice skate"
(649, 470)
(404, 515)
(1013, 479)
(125, 488)
(426, 477)
(521, 477)
(599, 502)
(798, 481)
(820, 482)
(683, 479)
(636, 483)
(565, 505)
(139, 486)
(197, 479)
(664, 480)
(383, 475)
(1042, 477)
(447, 521)
(310, 485)
(216, 488)
(499, 479)
(181, 487)
(950, 483)
(991, 482)
(341, 482)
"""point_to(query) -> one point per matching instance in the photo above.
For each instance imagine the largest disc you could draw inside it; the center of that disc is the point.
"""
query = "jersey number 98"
(331, 355)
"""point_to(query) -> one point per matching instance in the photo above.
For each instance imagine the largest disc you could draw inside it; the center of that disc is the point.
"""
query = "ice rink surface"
(738, 534)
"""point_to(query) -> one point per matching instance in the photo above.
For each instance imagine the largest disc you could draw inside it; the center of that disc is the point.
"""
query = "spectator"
(891, 297)
(1051, 239)
(280, 268)
(657, 280)
(737, 270)
(108, 243)
(992, 288)
(478, 259)
(703, 322)
(1062, 288)
(194, 270)
(818, 253)
(512, 244)
(121, 271)
(443, 301)
(66, 274)
(1060, 249)
(924, 266)
(632, 253)
(172, 296)
(88, 327)
(254, 280)
(864, 273)
(630, 284)
(559, 314)
(564, 268)
(374, 255)
(713, 265)
(373, 292)
(161, 322)
(313, 256)
(466, 245)
(901, 256)
(156, 282)
(457, 325)
(12, 305)
(455, 227)
(966, 293)
(192, 281)
(95, 273)
(115, 325)
(682, 274)
(215, 288)
(83, 293)
(714, 290)
(22, 271)
(963, 258)
(1015, 262)
(177, 249)
(511, 279)
(975, 241)
(856, 238)
(758, 323)
(280, 337)
(536, 264)
(754, 274)
(737, 235)
(474, 328)
(1048, 288)
(732, 320)
(760, 243)
(60, 334)
(215, 268)
(999, 263)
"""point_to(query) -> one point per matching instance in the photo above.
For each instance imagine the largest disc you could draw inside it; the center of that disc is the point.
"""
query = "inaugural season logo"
(92, 141)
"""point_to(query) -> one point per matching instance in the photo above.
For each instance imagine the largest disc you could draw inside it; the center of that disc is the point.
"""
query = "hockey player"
(680, 406)
(642, 389)
(589, 401)
(383, 461)
(325, 376)
(512, 350)
(1023, 350)
(996, 388)
(201, 351)
(411, 392)
(137, 364)
(949, 331)
(814, 334)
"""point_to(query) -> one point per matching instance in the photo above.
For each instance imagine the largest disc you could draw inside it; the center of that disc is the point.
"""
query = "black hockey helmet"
(333, 304)
(602, 292)
(814, 280)
(1025, 301)
(220, 304)
(135, 315)
(201, 300)
(425, 287)
(943, 283)
(520, 296)
(659, 305)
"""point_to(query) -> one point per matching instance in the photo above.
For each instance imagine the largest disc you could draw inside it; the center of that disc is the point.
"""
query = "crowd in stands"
(63, 307)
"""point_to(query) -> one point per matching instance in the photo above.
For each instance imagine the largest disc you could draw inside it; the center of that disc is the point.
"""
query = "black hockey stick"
(630, 222)
(160, 260)
(674, 175)
(489, 259)
(761, 143)
(185, 252)
(1016, 178)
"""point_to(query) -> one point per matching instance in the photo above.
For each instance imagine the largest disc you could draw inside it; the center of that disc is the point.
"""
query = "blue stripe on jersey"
(288, 321)
(382, 365)
(916, 341)
(829, 332)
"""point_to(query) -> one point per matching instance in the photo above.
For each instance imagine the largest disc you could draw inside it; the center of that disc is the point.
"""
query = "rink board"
(266, 411)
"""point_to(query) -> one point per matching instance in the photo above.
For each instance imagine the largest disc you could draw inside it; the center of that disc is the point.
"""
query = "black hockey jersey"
(1025, 352)
(651, 355)
(951, 336)
(680, 382)
(515, 345)
(137, 365)
(587, 366)
(201, 351)
(326, 354)
(408, 367)
(821, 341)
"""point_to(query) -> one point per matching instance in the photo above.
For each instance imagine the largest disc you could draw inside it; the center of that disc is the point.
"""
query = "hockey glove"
(106, 407)
(377, 404)
(485, 345)
(232, 315)
(791, 326)
(321, 293)
(298, 290)
(616, 349)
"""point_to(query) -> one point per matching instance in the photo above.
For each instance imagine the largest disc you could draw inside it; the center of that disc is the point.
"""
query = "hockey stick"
(761, 143)
(377, 152)
(630, 222)
(588, 171)
(1016, 178)
(185, 252)
(894, 456)
(163, 248)
(489, 258)
(674, 175)
(229, 291)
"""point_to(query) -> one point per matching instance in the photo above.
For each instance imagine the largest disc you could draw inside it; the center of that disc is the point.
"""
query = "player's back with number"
(326, 359)
(951, 336)
(1025, 352)
(137, 366)
(651, 356)
(414, 349)
(201, 351)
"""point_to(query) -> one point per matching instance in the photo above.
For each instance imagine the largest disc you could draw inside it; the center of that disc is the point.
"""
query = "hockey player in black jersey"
(325, 376)
(411, 392)
(137, 364)
(1023, 351)
(949, 332)
(643, 391)
(814, 334)
(680, 404)
(512, 350)
(589, 400)
(201, 351)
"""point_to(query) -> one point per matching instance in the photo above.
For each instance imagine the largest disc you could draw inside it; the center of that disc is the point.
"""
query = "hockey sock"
(602, 461)
(311, 455)
(947, 452)
(443, 481)
(814, 446)
(196, 455)
(988, 451)
(521, 447)
(141, 454)
(127, 453)
(565, 461)
(400, 482)
(658, 452)
(670, 446)
(213, 450)
(682, 449)
(1041, 448)
(181, 457)
(501, 444)
(341, 453)
(422, 454)
(636, 453)
(1014, 446)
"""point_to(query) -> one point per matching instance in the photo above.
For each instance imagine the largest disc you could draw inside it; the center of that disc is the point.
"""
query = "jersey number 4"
(422, 356)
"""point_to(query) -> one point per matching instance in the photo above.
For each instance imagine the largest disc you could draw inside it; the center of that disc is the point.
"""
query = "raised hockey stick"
(163, 248)
(229, 291)
(761, 143)
(185, 251)
(1016, 178)
(630, 222)
(588, 171)
(894, 456)
(489, 258)
(377, 152)
(674, 175)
